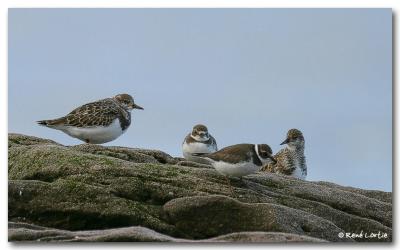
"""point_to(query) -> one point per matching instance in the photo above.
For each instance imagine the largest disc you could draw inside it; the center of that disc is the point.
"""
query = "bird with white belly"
(97, 122)
(291, 160)
(199, 141)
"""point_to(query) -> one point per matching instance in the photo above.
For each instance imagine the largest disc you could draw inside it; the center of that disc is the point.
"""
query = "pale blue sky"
(248, 74)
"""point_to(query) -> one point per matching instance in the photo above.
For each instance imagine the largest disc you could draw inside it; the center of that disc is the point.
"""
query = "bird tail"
(51, 123)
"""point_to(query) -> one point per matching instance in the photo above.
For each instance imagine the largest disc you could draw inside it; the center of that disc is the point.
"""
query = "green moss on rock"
(88, 187)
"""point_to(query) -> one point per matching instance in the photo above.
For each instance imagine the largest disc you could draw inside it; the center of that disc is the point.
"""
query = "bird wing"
(214, 143)
(99, 113)
(232, 154)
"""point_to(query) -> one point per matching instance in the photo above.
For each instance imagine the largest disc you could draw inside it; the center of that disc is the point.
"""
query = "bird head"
(126, 101)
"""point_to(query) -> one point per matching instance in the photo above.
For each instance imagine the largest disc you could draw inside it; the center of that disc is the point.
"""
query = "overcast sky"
(248, 74)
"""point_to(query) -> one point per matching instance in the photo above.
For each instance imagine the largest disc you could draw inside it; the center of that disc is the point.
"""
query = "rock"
(193, 164)
(260, 237)
(128, 154)
(88, 188)
(17, 139)
(211, 215)
(379, 195)
(28, 232)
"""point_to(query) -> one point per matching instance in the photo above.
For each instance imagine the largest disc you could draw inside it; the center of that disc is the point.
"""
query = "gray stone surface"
(90, 187)
(23, 232)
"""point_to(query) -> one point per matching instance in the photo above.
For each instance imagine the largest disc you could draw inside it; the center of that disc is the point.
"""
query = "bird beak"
(135, 106)
(273, 159)
(285, 141)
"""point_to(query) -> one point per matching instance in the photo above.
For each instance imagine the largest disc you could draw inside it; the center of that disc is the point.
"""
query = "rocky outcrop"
(96, 193)
(28, 232)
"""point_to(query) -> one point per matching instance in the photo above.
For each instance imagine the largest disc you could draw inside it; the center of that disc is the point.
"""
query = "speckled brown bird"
(290, 160)
(97, 122)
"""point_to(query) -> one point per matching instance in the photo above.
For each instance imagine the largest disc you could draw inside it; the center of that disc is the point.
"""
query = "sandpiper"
(290, 160)
(97, 122)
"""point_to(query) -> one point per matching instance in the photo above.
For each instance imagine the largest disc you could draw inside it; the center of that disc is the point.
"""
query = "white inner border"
(5, 4)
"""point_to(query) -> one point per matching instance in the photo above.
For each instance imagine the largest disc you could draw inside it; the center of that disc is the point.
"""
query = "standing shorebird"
(290, 160)
(199, 141)
(97, 122)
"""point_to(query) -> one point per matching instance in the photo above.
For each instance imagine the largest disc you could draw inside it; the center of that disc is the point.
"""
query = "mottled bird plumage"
(291, 159)
(98, 113)
(101, 114)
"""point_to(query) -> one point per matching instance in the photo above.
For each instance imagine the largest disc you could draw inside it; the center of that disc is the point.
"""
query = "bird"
(198, 141)
(97, 122)
(240, 159)
(291, 160)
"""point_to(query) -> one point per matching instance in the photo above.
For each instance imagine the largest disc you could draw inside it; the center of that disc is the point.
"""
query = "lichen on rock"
(98, 193)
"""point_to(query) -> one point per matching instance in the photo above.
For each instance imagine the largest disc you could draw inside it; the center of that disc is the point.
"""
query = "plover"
(240, 159)
(97, 122)
(198, 141)
(290, 160)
